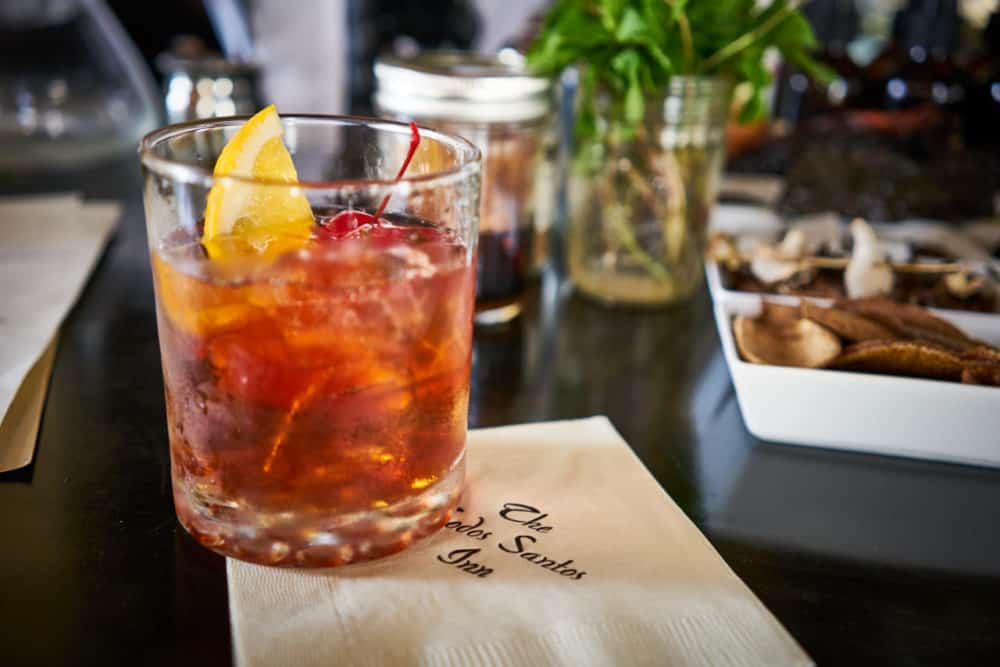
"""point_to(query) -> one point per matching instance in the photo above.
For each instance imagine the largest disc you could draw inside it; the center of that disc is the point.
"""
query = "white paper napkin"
(593, 565)
(48, 246)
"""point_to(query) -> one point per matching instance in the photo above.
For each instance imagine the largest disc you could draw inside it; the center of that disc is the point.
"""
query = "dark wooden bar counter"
(866, 560)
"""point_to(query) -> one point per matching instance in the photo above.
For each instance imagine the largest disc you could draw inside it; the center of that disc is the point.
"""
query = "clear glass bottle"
(507, 114)
(639, 206)
(74, 91)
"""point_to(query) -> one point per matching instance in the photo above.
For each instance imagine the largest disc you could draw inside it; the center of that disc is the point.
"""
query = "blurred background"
(916, 100)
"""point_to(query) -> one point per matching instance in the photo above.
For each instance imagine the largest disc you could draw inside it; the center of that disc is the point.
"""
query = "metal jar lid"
(461, 87)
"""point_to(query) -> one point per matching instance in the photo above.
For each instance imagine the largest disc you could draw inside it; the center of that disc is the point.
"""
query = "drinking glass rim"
(189, 173)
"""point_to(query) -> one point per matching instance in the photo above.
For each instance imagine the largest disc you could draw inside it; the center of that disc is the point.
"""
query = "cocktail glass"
(317, 393)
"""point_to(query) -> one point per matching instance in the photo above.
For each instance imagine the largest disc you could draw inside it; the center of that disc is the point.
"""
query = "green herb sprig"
(632, 48)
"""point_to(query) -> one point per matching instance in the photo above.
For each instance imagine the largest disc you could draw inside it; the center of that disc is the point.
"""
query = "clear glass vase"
(639, 205)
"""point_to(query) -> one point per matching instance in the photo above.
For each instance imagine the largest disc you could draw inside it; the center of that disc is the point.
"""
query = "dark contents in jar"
(503, 266)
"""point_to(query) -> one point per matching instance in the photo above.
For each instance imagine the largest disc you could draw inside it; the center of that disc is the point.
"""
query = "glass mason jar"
(316, 389)
(639, 206)
(493, 103)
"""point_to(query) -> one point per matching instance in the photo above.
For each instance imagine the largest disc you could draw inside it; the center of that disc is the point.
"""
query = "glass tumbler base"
(310, 541)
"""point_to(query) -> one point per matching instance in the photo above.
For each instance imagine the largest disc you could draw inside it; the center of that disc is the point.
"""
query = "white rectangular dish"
(925, 419)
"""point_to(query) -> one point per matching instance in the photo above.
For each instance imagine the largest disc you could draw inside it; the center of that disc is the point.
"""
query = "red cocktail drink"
(317, 397)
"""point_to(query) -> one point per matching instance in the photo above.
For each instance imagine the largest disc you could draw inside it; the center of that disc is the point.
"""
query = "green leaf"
(794, 32)
(817, 71)
(658, 19)
(625, 62)
(586, 120)
(631, 28)
(660, 58)
(752, 70)
(631, 48)
(753, 108)
(611, 11)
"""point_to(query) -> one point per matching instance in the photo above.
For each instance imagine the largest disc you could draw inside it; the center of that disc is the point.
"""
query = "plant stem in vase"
(656, 84)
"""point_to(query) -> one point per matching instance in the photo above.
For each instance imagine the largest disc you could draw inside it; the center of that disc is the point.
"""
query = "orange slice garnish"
(266, 218)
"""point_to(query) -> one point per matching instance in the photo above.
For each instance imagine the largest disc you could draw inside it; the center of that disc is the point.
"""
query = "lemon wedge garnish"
(243, 217)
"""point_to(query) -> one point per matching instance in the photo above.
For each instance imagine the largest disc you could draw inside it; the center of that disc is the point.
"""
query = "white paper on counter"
(627, 578)
(48, 246)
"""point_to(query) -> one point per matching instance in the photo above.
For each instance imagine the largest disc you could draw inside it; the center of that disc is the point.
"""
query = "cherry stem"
(414, 142)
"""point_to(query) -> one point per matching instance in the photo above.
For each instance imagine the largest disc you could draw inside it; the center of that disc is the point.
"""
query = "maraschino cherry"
(348, 221)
